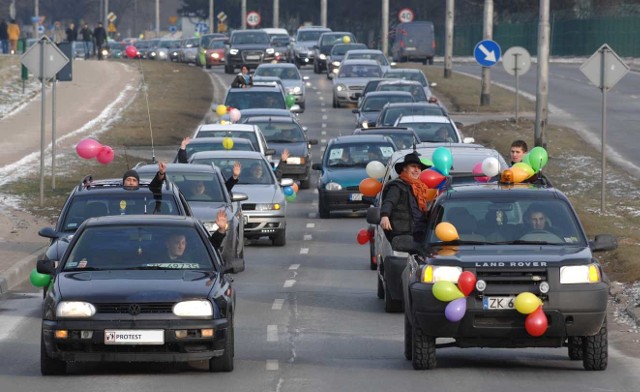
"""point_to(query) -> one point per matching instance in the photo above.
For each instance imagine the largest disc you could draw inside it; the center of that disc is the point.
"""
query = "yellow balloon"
(227, 143)
(221, 110)
(527, 303)
(519, 174)
(445, 231)
(346, 39)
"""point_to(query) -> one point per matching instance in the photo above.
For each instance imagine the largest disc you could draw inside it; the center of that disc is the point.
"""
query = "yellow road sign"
(111, 28)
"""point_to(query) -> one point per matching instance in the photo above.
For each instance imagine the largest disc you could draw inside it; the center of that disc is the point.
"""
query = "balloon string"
(146, 97)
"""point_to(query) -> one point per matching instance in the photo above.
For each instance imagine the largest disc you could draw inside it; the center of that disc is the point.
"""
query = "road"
(576, 103)
(308, 319)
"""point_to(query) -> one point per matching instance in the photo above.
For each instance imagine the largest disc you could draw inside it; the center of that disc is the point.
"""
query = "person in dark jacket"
(4, 36)
(243, 79)
(72, 33)
(405, 201)
(100, 38)
(177, 243)
(86, 35)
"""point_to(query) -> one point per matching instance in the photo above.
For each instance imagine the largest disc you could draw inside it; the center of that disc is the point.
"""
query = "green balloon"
(525, 159)
(291, 197)
(426, 161)
(538, 158)
(202, 57)
(290, 100)
(39, 280)
(446, 291)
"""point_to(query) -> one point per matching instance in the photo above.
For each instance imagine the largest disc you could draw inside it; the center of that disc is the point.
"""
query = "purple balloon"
(456, 309)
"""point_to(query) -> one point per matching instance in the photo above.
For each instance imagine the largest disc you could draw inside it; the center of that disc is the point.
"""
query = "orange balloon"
(432, 194)
(445, 231)
(295, 187)
(370, 187)
(448, 250)
(519, 174)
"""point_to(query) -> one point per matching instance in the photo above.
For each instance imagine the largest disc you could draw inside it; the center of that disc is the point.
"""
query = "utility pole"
(105, 22)
(36, 12)
(384, 36)
(448, 42)
(276, 13)
(212, 27)
(243, 12)
(323, 13)
(542, 94)
(487, 33)
(157, 18)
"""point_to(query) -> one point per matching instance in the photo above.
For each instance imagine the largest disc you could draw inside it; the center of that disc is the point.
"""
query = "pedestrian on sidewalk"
(13, 31)
(4, 36)
(100, 36)
(72, 37)
(57, 36)
(86, 35)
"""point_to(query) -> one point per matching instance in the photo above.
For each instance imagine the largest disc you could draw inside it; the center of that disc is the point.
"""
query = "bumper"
(93, 349)
(348, 96)
(239, 60)
(258, 224)
(572, 312)
(303, 59)
(297, 172)
(342, 200)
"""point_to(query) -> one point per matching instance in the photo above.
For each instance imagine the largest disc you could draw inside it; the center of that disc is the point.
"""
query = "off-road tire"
(50, 366)
(423, 350)
(576, 348)
(224, 363)
(596, 349)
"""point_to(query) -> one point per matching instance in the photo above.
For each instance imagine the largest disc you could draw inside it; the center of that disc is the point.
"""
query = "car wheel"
(430, 60)
(576, 352)
(228, 69)
(335, 101)
(224, 363)
(305, 184)
(423, 350)
(595, 349)
(48, 365)
(408, 332)
(280, 239)
(424, 61)
(391, 305)
(380, 288)
(323, 210)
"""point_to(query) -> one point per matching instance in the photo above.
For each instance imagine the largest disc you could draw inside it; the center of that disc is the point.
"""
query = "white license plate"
(253, 57)
(498, 303)
(355, 197)
(410, 48)
(134, 336)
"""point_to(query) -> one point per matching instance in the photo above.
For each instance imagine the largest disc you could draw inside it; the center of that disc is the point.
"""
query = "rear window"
(201, 187)
(392, 114)
(433, 132)
(375, 104)
(417, 76)
(415, 90)
(309, 35)
(250, 136)
(335, 38)
(247, 99)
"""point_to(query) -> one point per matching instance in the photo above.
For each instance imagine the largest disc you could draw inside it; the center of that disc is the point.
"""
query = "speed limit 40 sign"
(405, 15)
(253, 18)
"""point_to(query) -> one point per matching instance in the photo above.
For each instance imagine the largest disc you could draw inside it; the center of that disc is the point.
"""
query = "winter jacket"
(4, 34)
(401, 207)
(14, 31)
(86, 34)
(100, 35)
(72, 34)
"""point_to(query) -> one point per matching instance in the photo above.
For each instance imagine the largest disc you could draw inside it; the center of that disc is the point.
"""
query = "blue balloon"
(442, 160)
(288, 191)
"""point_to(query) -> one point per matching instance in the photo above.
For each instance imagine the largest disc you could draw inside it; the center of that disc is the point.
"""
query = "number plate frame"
(135, 337)
(505, 302)
(355, 197)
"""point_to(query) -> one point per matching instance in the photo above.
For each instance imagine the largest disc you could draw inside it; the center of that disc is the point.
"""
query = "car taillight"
(433, 44)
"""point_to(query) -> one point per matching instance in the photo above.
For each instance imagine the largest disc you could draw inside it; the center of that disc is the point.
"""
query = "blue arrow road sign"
(173, 29)
(487, 53)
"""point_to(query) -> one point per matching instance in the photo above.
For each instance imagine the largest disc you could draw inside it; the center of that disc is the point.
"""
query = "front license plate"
(498, 303)
(253, 57)
(355, 197)
(134, 336)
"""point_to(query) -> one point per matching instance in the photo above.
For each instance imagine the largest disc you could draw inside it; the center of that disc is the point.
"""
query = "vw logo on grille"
(134, 309)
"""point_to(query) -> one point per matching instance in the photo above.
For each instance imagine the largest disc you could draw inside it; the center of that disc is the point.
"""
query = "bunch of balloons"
(441, 163)
(39, 280)
(365, 235)
(455, 295)
(233, 113)
(529, 304)
(291, 192)
(531, 164)
(371, 186)
(90, 148)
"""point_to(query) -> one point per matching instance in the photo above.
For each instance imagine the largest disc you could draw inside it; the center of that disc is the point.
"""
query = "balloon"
(524, 167)
(234, 115)
(538, 158)
(370, 187)
(106, 155)
(456, 309)
(519, 174)
(88, 148)
(445, 231)
(221, 110)
(290, 197)
(527, 303)
(227, 143)
(375, 169)
(525, 159)
(288, 191)
(490, 167)
(431, 194)
(426, 161)
(466, 282)
(39, 280)
(363, 236)
(431, 178)
(477, 169)
(131, 51)
(290, 100)
(536, 323)
(442, 160)
(346, 39)
(295, 187)
(446, 291)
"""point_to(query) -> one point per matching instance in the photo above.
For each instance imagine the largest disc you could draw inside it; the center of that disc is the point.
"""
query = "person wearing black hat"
(405, 201)
(131, 179)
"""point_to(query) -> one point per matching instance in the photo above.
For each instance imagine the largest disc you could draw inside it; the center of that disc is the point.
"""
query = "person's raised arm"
(222, 225)
(182, 151)
(237, 168)
(156, 183)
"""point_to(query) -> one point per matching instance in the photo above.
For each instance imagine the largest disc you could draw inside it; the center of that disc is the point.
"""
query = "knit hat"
(131, 173)
(414, 158)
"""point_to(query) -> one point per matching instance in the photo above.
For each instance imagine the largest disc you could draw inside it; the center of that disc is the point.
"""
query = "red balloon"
(536, 323)
(88, 148)
(363, 236)
(466, 282)
(477, 169)
(370, 187)
(131, 51)
(106, 155)
(431, 178)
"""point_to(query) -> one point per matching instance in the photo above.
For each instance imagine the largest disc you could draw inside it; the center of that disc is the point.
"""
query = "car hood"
(206, 210)
(135, 286)
(516, 256)
(337, 57)
(291, 83)
(345, 176)
(259, 193)
(295, 149)
(250, 46)
(370, 116)
(351, 81)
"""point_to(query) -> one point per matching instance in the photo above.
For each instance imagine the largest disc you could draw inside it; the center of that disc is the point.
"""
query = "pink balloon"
(234, 115)
(131, 51)
(88, 148)
(106, 155)
(477, 169)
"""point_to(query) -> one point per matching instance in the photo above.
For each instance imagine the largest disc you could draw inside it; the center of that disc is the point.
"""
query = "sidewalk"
(80, 105)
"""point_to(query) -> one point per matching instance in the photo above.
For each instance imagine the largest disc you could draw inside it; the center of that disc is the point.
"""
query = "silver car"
(369, 54)
(352, 76)
(265, 209)
(294, 83)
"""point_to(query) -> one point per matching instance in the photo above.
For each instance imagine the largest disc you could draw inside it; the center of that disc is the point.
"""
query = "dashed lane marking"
(311, 225)
(272, 364)
(289, 283)
(277, 304)
(304, 251)
(272, 333)
(307, 237)
(294, 266)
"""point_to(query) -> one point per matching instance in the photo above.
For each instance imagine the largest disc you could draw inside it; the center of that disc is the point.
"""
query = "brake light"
(433, 44)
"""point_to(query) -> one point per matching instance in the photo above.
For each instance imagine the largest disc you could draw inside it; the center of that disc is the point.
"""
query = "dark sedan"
(371, 104)
(138, 289)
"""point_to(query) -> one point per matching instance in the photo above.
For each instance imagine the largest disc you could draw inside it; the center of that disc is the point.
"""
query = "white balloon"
(375, 169)
(234, 115)
(490, 167)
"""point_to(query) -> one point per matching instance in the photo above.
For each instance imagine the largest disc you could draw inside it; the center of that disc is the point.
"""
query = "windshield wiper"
(520, 242)
(461, 242)
(76, 269)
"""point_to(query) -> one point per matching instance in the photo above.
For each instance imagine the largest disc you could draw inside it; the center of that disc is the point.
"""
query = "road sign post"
(516, 61)
(604, 69)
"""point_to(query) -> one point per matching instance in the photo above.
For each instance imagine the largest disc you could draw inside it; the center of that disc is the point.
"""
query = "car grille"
(511, 281)
(353, 188)
(248, 206)
(126, 308)
(252, 55)
(356, 88)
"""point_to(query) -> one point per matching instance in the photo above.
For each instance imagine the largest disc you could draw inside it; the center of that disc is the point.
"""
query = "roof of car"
(360, 138)
(233, 154)
(387, 93)
(255, 89)
(411, 104)
(494, 190)
(398, 81)
(356, 51)
(226, 127)
(148, 219)
(372, 131)
(404, 70)
(278, 119)
(114, 186)
(265, 112)
(277, 65)
(360, 62)
(219, 139)
(424, 119)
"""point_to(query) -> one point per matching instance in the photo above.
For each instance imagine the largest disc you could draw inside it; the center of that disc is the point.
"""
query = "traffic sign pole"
(42, 43)
(603, 55)
(485, 95)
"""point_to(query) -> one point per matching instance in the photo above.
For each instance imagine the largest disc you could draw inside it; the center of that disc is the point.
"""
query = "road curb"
(19, 272)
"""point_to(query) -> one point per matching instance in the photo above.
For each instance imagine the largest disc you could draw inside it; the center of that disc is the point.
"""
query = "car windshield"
(280, 40)
(284, 73)
(379, 57)
(93, 205)
(193, 148)
(309, 35)
(359, 71)
(278, 132)
(358, 155)
(400, 139)
(138, 247)
(416, 90)
(250, 136)
(335, 38)
(417, 76)
(511, 220)
(217, 44)
(254, 171)
(205, 187)
(392, 114)
(375, 104)
(429, 132)
(248, 99)
(250, 38)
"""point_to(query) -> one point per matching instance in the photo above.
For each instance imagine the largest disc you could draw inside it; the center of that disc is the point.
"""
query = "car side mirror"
(468, 140)
(603, 242)
(373, 215)
(313, 142)
(295, 109)
(317, 166)
(46, 267)
(405, 243)
(238, 196)
(48, 232)
(269, 151)
(286, 182)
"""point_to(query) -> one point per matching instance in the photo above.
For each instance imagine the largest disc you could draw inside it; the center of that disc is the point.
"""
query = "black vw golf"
(138, 289)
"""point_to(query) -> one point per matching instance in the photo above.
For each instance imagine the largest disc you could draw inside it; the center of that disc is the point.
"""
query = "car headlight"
(336, 63)
(270, 51)
(194, 308)
(322, 56)
(333, 186)
(233, 52)
(268, 206)
(573, 274)
(295, 161)
(215, 55)
(436, 273)
(75, 309)
(174, 53)
(341, 87)
(105, 52)
(294, 90)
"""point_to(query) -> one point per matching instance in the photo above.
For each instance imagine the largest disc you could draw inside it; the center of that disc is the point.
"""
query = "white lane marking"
(312, 215)
(321, 98)
(294, 266)
(277, 304)
(311, 225)
(304, 251)
(319, 92)
(323, 110)
(324, 125)
(289, 283)
(323, 133)
(272, 333)
(324, 117)
(323, 141)
(272, 364)
(315, 190)
(307, 237)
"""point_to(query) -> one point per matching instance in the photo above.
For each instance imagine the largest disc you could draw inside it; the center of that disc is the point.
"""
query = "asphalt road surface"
(308, 319)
